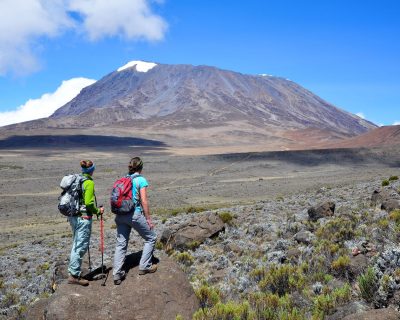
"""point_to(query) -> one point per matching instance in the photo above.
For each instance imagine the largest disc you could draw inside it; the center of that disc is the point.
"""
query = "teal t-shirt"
(138, 182)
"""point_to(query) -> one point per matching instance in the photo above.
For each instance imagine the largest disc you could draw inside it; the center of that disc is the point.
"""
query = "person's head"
(87, 166)
(135, 165)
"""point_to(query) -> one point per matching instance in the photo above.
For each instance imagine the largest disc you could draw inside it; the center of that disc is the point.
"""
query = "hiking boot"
(77, 280)
(122, 276)
(152, 269)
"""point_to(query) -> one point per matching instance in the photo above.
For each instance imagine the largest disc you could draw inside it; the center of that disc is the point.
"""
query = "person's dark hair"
(86, 164)
(135, 165)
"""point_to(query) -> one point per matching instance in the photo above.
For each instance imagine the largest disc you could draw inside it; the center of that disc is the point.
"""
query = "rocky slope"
(325, 254)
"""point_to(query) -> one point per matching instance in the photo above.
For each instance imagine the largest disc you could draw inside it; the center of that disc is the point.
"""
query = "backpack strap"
(137, 186)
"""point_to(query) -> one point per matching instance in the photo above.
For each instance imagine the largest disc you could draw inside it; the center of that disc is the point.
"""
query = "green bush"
(208, 296)
(159, 245)
(184, 258)
(393, 178)
(226, 217)
(323, 305)
(340, 266)
(193, 245)
(395, 216)
(224, 311)
(270, 306)
(368, 284)
(385, 183)
(338, 229)
(282, 279)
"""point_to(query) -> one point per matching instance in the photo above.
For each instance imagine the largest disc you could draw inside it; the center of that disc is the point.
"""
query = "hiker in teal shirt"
(140, 221)
(82, 224)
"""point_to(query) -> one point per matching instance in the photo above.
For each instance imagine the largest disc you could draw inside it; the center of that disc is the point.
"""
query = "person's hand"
(151, 225)
(101, 210)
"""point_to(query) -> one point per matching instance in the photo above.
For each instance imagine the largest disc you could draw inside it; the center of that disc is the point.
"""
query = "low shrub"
(226, 216)
(368, 284)
(159, 245)
(338, 229)
(385, 183)
(325, 304)
(282, 279)
(393, 178)
(224, 311)
(270, 306)
(395, 216)
(383, 223)
(193, 245)
(208, 296)
(340, 266)
(184, 258)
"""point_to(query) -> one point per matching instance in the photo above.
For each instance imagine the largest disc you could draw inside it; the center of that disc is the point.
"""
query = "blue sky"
(347, 52)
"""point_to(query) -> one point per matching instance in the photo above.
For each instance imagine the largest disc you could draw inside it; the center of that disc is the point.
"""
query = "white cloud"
(47, 103)
(361, 115)
(23, 23)
(132, 19)
(396, 123)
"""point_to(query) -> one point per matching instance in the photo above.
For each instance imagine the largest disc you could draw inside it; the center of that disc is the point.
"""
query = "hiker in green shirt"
(82, 224)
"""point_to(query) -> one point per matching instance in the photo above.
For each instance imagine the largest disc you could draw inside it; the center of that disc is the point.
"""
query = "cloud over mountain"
(47, 103)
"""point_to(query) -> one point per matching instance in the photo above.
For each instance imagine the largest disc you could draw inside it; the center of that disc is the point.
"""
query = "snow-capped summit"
(141, 66)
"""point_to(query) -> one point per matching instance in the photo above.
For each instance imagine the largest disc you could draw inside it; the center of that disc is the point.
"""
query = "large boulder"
(161, 295)
(386, 199)
(352, 308)
(375, 314)
(322, 210)
(390, 205)
(185, 236)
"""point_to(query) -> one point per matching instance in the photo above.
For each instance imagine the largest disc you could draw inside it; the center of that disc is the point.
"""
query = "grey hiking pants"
(125, 223)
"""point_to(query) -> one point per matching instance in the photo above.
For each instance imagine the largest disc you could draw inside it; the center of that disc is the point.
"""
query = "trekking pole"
(90, 263)
(102, 248)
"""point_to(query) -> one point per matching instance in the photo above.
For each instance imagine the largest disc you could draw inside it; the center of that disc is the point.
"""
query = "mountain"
(382, 136)
(185, 105)
(202, 95)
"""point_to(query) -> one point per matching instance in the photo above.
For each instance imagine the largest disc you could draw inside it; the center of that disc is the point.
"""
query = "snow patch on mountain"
(141, 66)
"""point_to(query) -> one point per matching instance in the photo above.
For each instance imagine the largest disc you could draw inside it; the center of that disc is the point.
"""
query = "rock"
(162, 295)
(304, 236)
(325, 209)
(390, 205)
(376, 314)
(353, 308)
(293, 254)
(358, 264)
(201, 227)
(385, 197)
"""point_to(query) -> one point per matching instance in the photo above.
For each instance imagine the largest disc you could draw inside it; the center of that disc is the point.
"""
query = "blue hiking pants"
(81, 230)
(125, 223)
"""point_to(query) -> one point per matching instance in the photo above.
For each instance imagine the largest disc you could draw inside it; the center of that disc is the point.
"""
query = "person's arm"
(145, 206)
(90, 199)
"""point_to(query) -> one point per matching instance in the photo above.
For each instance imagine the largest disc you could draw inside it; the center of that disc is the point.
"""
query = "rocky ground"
(339, 259)
(269, 257)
